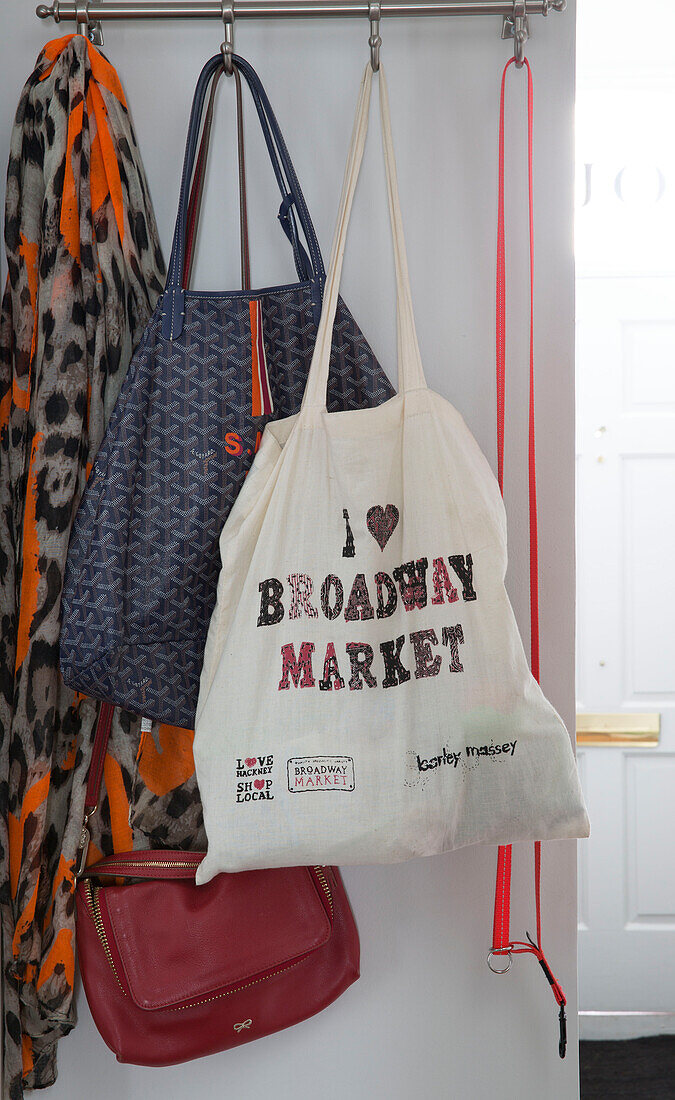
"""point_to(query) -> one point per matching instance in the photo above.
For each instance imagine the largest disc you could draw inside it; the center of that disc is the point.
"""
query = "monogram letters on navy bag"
(210, 371)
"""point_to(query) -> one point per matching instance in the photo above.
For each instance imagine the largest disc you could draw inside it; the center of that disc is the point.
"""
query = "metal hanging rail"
(92, 11)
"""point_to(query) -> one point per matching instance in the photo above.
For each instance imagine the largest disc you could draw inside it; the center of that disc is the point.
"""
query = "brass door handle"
(618, 729)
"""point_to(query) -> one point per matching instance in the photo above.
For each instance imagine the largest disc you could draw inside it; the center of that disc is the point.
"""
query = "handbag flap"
(177, 942)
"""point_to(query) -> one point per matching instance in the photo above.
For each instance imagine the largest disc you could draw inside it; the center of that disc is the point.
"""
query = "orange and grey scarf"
(84, 273)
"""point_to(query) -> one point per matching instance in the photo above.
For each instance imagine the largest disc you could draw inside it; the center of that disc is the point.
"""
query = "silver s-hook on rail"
(517, 27)
(375, 39)
(517, 24)
(227, 47)
(90, 29)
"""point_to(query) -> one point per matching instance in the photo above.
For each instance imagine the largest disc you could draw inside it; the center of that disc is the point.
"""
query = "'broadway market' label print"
(320, 773)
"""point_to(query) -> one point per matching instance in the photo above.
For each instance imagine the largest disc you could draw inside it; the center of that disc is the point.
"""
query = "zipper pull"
(82, 850)
(83, 846)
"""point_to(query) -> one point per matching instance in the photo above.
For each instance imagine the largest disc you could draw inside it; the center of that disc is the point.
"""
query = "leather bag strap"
(502, 945)
(94, 779)
(309, 267)
(196, 193)
(145, 864)
(243, 203)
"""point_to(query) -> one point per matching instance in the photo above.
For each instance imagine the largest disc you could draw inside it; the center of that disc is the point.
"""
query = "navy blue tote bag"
(210, 371)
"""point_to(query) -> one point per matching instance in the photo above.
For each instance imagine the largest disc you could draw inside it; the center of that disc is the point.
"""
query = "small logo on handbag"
(320, 773)
(140, 685)
(243, 1025)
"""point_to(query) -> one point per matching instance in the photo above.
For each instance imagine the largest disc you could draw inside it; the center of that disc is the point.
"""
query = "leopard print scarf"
(84, 273)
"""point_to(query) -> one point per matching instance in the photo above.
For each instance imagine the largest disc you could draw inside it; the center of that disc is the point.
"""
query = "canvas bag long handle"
(410, 372)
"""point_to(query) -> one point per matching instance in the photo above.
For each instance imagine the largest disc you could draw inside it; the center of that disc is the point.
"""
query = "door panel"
(626, 624)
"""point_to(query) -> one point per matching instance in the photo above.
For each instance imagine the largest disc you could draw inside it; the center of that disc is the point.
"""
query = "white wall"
(427, 1019)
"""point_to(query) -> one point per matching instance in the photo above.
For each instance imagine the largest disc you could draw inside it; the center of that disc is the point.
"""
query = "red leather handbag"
(173, 971)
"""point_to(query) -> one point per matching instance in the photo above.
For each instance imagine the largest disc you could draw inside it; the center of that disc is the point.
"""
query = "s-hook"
(517, 27)
(227, 47)
(375, 41)
(92, 31)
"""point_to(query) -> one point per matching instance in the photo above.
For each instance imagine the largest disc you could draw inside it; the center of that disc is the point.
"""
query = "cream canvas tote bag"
(365, 696)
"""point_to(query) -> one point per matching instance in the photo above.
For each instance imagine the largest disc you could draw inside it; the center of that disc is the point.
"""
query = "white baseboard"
(625, 1025)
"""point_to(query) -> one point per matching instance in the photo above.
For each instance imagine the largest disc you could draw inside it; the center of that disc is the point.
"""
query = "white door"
(626, 532)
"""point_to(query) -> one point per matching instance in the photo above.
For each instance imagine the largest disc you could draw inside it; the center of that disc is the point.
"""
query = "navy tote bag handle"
(309, 268)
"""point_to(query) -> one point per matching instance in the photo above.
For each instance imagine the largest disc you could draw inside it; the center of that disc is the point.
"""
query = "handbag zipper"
(321, 875)
(110, 867)
(95, 909)
(92, 893)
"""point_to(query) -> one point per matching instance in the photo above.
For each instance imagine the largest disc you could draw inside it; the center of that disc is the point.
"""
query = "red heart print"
(258, 784)
(382, 522)
(250, 761)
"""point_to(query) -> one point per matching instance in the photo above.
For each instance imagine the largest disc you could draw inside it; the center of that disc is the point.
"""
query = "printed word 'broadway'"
(407, 582)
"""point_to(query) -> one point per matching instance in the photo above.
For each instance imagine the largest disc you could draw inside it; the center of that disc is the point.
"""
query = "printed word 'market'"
(298, 668)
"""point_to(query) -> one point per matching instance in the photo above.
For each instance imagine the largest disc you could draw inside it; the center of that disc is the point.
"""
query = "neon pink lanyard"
(501, 941)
